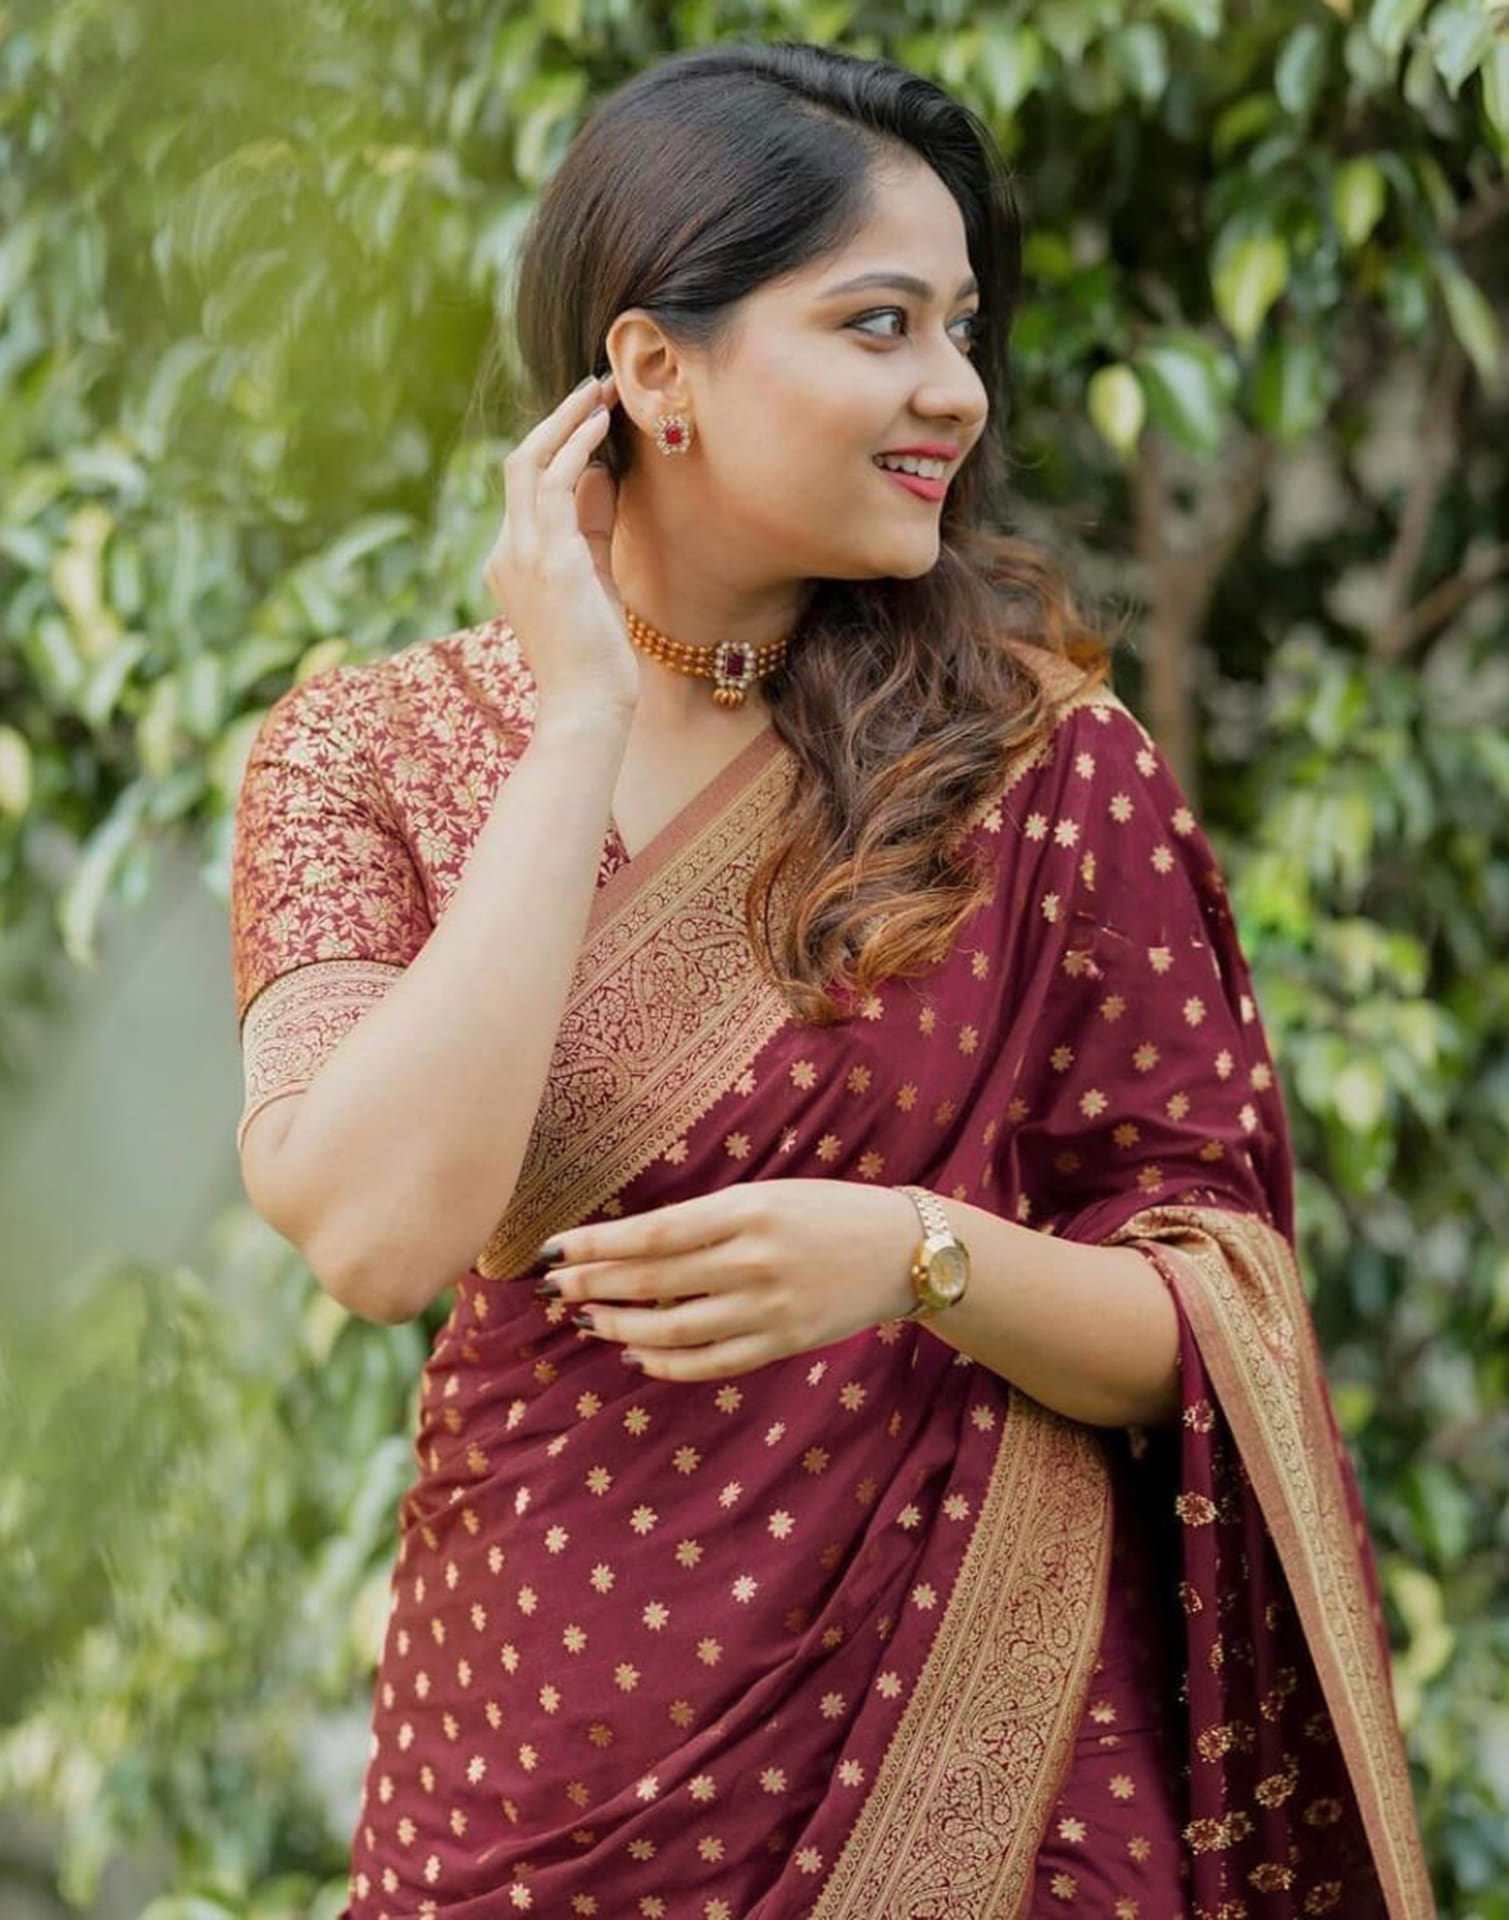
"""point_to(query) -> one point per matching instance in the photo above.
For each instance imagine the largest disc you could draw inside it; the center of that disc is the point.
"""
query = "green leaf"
(1140, 55)
(1391, 22)
(188, 1906)
(15, 772)
(1473, 321)
(79, 907)
(1358, 194)
(1184, 379)
(1359, 1094)
(562, 17)
(1204, 17)
(107, 681)
(1117, 406)
(1459, 36)
(1249, 273)
(1245, 119)
(1012, 63)
(1067, 26)
(1301, 69)
(1290, 388)
(1496, 88)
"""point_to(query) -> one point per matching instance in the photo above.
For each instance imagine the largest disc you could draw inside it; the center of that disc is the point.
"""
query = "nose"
(951, 390)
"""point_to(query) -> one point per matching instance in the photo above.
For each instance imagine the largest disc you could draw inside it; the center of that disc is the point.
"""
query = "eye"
(975, 322)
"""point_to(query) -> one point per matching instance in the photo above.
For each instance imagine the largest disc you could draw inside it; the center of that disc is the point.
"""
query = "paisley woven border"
(296, 1023)
(965, 1791)
(1238, 1282)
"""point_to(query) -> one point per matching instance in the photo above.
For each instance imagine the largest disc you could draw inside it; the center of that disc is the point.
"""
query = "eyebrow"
(906, 282)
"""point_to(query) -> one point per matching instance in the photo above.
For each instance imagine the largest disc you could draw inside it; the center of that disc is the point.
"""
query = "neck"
(677, 586)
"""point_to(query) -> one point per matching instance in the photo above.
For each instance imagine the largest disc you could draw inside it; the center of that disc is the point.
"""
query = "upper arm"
(1148, 1076)
(327, 906)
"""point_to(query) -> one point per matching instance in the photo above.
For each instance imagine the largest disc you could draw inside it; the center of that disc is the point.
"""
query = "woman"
(904, 1484)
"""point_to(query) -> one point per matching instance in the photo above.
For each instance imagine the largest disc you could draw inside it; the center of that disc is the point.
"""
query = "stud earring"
(673, 433)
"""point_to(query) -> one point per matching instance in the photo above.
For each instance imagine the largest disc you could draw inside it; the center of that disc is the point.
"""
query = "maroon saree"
(865, 1634)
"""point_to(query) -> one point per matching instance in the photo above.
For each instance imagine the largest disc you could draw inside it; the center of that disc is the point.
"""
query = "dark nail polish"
(583, 1319)
(632, 1360)
(546, 1257)
(547, 1290)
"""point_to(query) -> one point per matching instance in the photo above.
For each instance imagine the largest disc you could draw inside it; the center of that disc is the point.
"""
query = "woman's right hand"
(549, 567)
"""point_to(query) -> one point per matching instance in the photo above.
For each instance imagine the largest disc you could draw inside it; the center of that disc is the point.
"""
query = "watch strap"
(935, 1223)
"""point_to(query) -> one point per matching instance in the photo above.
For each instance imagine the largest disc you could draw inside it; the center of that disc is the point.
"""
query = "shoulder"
(1080, 714)
(1092, 805)
(463, 698)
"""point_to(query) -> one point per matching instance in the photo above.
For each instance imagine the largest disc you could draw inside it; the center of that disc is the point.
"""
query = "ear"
(648, 368)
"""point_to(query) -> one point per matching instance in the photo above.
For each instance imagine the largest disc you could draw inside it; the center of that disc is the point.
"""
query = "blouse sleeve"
(1148, 1079)
(327, 907)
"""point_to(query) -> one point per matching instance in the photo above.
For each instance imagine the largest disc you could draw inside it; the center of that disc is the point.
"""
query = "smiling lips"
(923, 485)
(930, 479)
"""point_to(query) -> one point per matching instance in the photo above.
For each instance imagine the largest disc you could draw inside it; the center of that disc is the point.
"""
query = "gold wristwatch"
(940, 1267)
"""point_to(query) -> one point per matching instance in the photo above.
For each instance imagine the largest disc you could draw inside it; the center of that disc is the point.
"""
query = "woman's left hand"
(731, 1280)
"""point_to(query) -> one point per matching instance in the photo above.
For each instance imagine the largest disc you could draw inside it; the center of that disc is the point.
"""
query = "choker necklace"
(732, 667)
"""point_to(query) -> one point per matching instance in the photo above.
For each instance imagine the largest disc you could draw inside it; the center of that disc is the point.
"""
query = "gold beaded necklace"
(731, 666)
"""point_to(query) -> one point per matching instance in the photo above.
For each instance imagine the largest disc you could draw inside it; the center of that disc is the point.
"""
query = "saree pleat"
(835, 1640)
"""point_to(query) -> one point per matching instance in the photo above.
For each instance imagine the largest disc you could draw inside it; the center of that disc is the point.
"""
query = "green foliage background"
(249, 256)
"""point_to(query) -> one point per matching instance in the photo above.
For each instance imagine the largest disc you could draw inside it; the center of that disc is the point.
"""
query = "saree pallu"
(828, 1640)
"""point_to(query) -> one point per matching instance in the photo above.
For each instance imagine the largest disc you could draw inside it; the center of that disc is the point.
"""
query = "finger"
(526, 514)
(546, 437)
(522, 467)
(718, 1362)
(703, 1221)
(675, 1277)
(694, 1323)
(555, 516)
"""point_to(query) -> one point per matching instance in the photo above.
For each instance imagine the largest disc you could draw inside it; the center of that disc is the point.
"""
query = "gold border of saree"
(1241, 1288)
(970, 1778)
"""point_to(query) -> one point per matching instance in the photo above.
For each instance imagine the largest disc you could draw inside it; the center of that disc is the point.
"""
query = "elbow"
(375, 1292)
(379, 1308)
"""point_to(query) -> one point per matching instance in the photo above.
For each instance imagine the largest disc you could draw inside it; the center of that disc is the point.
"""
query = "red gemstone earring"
(673, 433)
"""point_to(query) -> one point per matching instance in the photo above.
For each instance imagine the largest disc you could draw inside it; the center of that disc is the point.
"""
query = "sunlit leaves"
(1249, 272)
(1188, 383)
(1474, 322)
(1390, 23)
(1358, 196)
(1118, 406)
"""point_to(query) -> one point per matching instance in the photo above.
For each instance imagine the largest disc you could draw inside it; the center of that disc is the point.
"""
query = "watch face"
(948, 1272)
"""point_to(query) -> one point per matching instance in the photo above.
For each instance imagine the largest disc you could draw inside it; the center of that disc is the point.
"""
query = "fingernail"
(632, 1360)
(582, 385)
(547, 1290)
(546, 1257)
(584, 1320)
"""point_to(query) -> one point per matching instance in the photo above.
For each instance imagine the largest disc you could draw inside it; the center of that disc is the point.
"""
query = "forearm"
(408, 1142)
(1089, 1331)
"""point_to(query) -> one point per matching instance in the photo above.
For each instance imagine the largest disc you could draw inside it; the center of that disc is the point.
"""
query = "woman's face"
(816, 380)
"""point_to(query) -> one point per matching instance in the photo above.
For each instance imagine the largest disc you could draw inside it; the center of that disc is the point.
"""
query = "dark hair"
(694, 184)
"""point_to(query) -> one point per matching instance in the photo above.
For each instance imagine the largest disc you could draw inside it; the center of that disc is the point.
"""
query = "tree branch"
(1438, 606)
(1438, 440)
(1184, 564)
